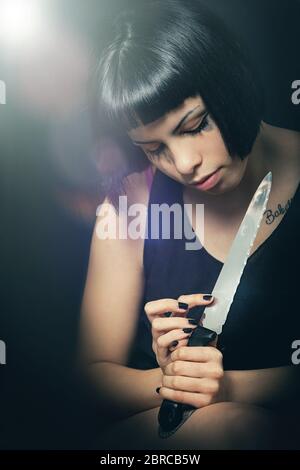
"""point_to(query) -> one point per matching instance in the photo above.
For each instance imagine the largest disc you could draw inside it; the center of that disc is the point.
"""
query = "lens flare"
(19, 21)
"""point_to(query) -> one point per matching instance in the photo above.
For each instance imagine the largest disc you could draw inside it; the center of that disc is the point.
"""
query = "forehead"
(166, 122)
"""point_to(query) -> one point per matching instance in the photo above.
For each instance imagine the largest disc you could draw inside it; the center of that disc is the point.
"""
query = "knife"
(171, 414)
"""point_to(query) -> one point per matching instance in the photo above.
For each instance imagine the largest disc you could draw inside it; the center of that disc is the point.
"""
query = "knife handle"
(171, 413)
(201, 336)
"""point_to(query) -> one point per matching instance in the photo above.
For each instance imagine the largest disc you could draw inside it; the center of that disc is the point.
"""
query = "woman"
(176, 83)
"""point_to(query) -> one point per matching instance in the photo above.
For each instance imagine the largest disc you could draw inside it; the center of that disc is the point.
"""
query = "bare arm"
(109, 315)
(127, 391)
(266, 387)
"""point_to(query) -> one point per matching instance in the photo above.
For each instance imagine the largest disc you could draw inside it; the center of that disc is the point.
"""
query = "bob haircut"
(162, 52)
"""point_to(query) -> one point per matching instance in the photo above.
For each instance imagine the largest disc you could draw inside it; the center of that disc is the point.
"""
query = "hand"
(195, 376)
(165, 330)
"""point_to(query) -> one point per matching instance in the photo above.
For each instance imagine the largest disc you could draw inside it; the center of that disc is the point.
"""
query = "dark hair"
(163, 52)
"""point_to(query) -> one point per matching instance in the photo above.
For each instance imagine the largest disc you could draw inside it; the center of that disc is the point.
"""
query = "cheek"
(212, 147)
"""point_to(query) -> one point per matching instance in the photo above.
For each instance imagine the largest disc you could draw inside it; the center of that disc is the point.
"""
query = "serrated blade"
(224, 290)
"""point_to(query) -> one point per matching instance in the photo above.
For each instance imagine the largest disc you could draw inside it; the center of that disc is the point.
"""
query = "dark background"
(47, 215)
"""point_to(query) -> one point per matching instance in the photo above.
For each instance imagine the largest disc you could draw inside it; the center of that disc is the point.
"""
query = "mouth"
(209, 181)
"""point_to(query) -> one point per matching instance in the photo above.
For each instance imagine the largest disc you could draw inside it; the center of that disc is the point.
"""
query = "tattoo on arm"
(271, 216)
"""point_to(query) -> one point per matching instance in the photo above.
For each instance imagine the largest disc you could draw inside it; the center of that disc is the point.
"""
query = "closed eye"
(197, 130)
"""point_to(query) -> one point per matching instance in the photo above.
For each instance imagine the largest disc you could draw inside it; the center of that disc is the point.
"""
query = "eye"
(157, 152)
(204, 124)
(201, 127)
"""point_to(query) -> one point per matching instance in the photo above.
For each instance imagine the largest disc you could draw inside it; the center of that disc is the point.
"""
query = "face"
(187, 145)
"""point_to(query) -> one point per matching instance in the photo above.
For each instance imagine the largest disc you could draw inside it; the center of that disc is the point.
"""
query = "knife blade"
(224, 290)
(171, 414)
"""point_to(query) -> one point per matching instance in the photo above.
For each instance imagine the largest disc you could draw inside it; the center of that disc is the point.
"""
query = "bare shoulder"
(119, 219)
(136, 188)
(283, 149)
(137, 192)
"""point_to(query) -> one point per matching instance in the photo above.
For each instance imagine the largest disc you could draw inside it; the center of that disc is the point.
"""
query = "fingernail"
(168, 314)
(183, 305)
(192, 321)
(158, 389)
(207, 297)
(174, 343)
(187, 330)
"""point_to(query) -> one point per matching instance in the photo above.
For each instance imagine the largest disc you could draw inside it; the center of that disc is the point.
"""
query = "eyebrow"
(203, 111)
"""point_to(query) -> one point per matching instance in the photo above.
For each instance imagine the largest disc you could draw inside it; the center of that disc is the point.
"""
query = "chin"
(226, 185)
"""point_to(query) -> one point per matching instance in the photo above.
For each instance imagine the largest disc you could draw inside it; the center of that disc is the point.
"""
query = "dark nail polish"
(192, 321)
(158, 389)
(183, 305)
(168, 314)
(207, 297)
(174, 343)
(187, 330)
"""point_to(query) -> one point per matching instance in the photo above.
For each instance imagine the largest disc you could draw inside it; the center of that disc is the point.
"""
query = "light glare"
(20, 21)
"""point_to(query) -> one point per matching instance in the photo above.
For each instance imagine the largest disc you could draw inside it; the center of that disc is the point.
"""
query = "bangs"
(144, 89)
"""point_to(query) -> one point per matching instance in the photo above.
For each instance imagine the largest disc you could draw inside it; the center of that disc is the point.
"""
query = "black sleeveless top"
(264, 318)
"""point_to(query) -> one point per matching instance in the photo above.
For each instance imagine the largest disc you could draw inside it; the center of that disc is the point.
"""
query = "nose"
(186, 160)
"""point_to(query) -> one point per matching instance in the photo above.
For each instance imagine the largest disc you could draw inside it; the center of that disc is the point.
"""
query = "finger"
(164, 325)
(159, 307)
(196, 299)
(200, 370)
(165, 341)
(163, 353)
(180, 344)
(198, 354)
(190, 384)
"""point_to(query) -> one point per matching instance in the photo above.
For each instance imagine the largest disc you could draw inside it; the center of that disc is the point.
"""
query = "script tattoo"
(271, 216)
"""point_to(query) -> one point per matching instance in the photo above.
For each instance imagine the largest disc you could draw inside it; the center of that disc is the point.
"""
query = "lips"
(209, 181)
(205, 178)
